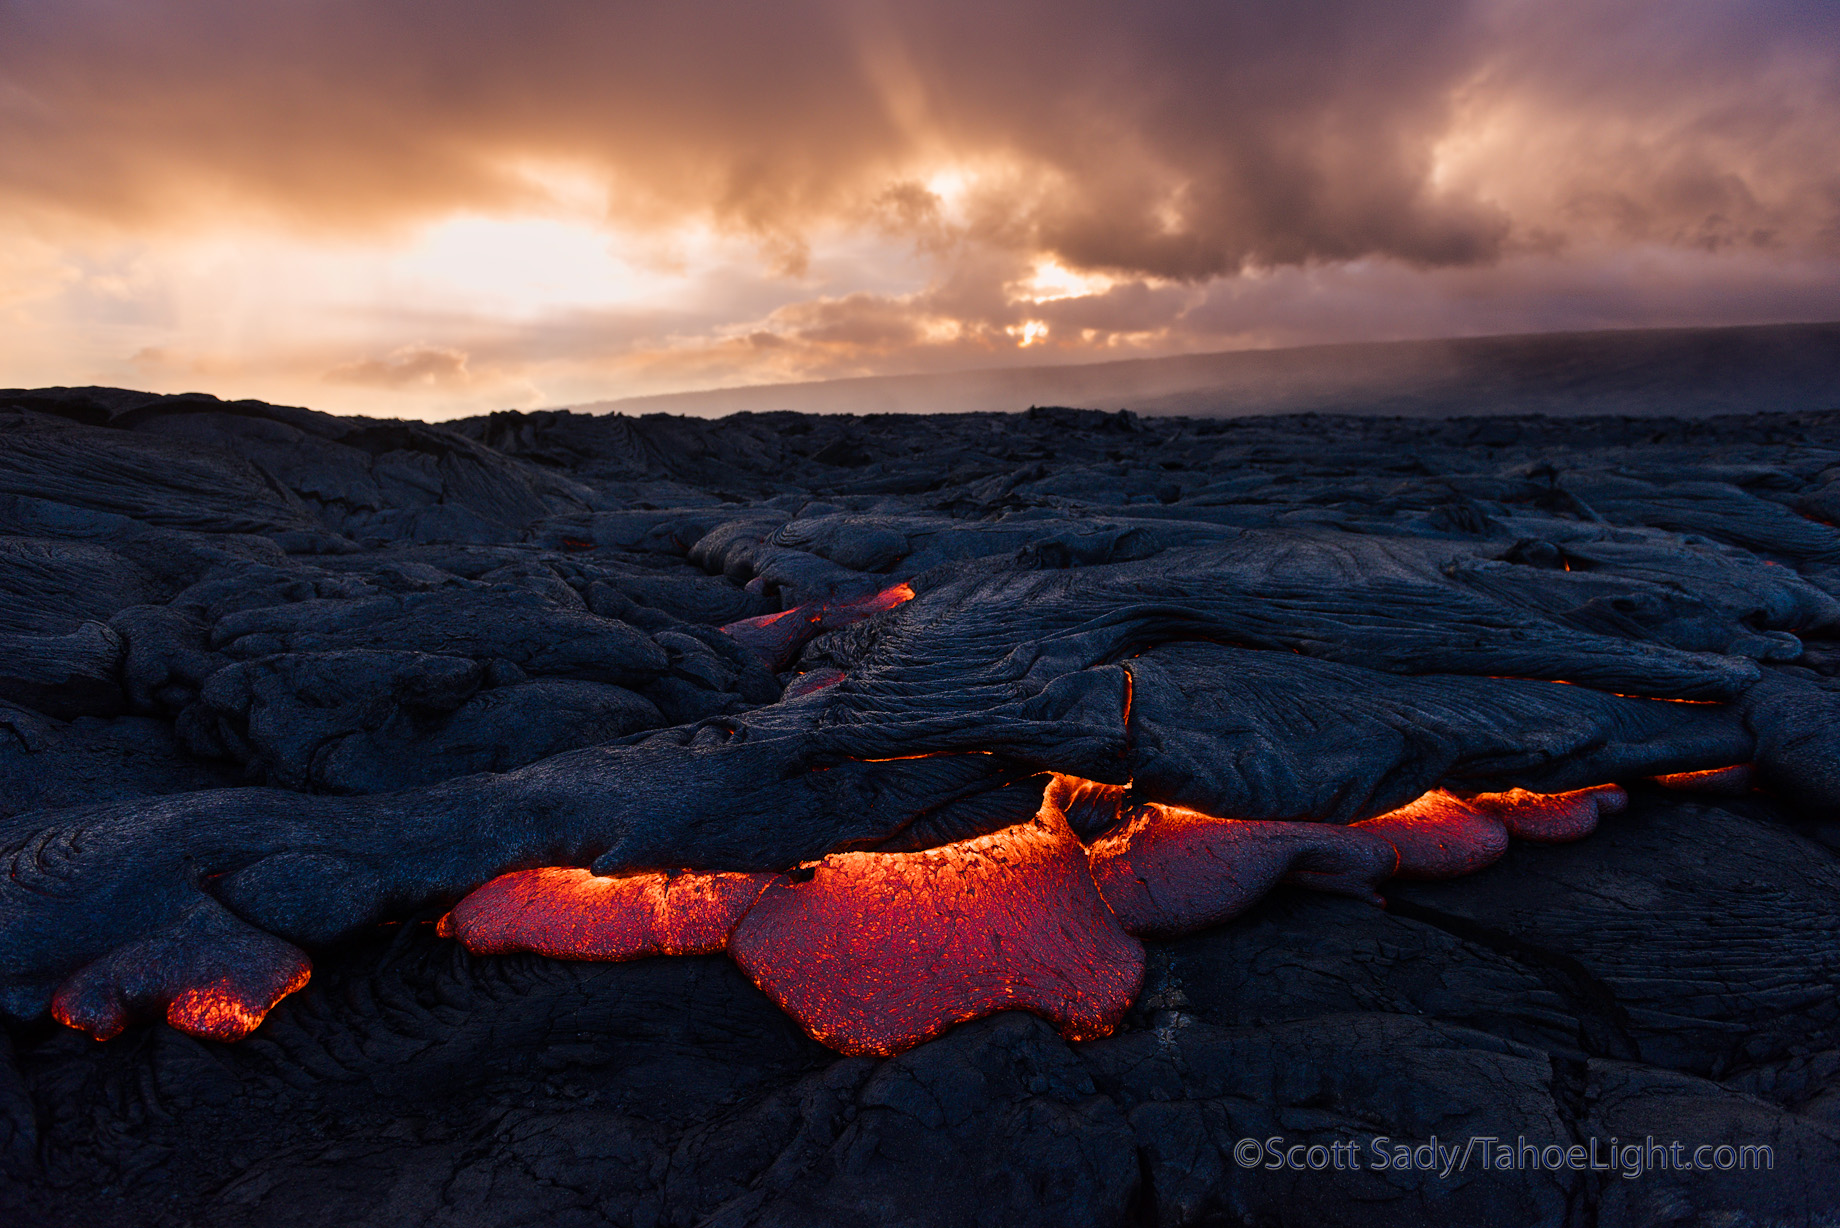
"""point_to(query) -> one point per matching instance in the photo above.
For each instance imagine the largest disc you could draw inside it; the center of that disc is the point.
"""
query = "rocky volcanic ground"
(313, 617)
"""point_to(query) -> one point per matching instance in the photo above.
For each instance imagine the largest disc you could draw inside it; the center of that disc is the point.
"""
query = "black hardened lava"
(283, 687)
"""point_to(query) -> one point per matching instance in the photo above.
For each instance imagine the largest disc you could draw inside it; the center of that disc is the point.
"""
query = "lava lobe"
(569, 913)
(1170, 870)
(213, 976)
(876, 952)
(1442, 835)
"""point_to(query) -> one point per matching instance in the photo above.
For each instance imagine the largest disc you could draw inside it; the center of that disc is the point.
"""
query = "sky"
(430, 209)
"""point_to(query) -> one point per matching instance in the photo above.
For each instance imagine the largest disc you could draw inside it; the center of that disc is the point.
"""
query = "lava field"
(1060, 818)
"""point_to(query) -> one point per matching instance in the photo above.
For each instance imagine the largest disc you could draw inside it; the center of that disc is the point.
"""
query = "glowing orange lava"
(1439, 836)
(1731, 781)
(1442, 835)
(1170, 870)
(887, 599)
(100, 1024)
(1552, 818)
(876, 952)
(216, 993)
(224, 1010)
(571, 914)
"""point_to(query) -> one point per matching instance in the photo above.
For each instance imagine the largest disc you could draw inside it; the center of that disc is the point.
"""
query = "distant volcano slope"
(1123, 723)
(1677, 372)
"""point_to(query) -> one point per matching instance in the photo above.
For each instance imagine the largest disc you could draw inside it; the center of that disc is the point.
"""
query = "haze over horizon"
(408, 209)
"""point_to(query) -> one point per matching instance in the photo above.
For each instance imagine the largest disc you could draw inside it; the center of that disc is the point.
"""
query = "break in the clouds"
(411, 206)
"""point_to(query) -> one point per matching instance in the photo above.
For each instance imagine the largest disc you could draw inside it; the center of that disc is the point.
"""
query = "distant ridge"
(1687, 371)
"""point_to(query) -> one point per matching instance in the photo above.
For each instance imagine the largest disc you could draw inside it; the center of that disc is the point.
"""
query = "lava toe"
(1552, 818)
(213, 975)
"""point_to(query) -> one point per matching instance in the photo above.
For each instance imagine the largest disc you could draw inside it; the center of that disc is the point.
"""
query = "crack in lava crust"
(1731, 781)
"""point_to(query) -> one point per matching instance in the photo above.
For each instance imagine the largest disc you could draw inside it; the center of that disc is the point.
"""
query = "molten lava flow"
(876, 952)
(1439, 836)
(568, 913)
(887, 599)
(1170, 870)
(216, 990)
(777, 638)
(1442, 835)
(1552, 818)
(1731, 781)
(224, 1010)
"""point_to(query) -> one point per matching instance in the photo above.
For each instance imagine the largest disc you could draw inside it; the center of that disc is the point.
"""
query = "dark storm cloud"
(1174, 140)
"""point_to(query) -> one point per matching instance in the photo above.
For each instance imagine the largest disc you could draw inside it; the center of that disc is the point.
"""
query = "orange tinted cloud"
(1180, 140)
(900, 175)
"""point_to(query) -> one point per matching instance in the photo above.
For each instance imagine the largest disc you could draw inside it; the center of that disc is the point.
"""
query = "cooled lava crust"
(555, 819)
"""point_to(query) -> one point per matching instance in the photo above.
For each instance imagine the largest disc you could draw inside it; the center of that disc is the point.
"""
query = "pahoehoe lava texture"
(284, 688)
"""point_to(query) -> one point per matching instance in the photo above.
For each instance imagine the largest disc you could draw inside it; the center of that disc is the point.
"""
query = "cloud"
(431, 365)
(918, 184)
(1181, 141)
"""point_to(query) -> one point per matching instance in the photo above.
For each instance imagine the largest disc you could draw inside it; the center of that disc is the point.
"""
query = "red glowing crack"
(571, 914)
(876, 952)
(1728, 781)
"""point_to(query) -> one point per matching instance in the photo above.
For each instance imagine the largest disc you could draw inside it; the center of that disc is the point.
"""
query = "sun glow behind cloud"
(1050, 281)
